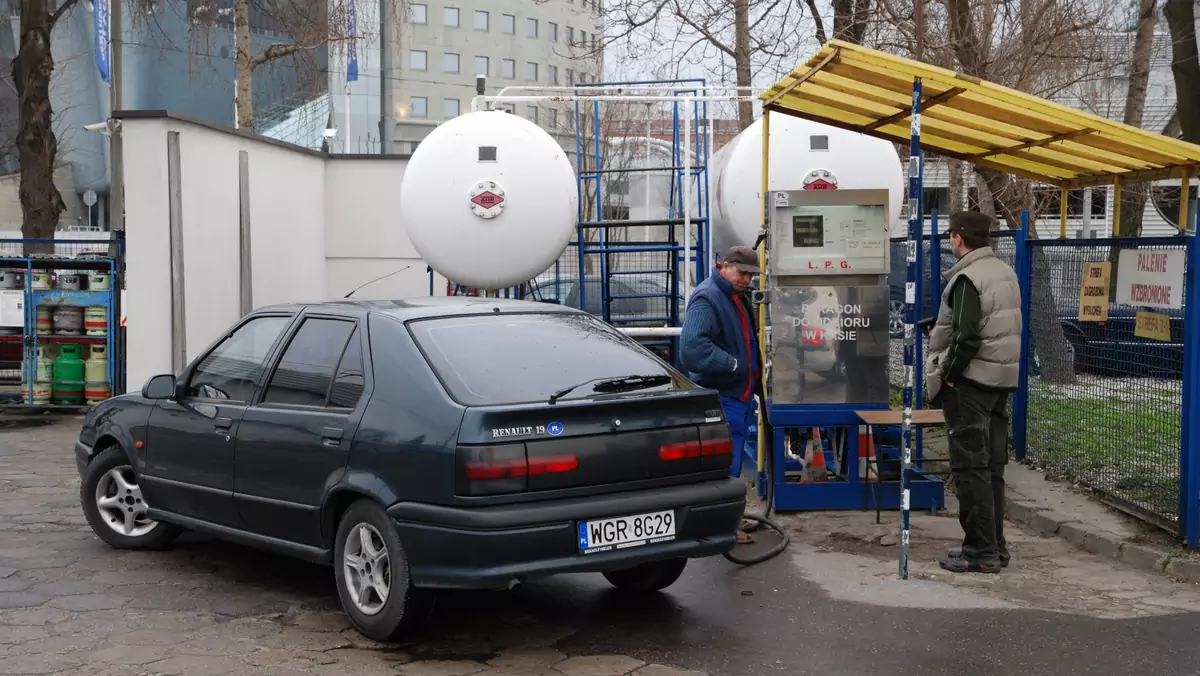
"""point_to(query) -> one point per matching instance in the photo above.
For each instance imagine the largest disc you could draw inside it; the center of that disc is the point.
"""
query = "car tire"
(374, 584)
(115, 509)
(648, 577)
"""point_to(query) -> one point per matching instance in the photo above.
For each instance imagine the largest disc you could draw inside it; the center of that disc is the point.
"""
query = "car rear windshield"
(518, 358)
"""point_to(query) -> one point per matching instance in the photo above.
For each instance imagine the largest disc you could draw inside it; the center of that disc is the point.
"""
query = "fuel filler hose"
(758, 521)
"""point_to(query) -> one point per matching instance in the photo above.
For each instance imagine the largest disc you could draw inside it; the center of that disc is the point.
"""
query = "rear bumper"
(491, 548)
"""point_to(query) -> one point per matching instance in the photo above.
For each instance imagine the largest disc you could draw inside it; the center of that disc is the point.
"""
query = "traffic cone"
(814, 461)
(868, 468)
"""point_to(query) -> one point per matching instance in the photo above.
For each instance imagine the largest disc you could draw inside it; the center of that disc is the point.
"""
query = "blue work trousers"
(741, 416)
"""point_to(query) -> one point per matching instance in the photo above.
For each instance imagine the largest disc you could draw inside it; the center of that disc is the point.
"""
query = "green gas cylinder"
(68, 375)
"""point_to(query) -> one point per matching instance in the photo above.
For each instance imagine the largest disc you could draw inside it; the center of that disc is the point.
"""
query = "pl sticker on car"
(554, 429)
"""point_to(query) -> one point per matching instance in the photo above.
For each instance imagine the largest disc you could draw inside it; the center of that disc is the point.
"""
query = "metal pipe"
(762, 265)
(478, 100)
(646, 178)
(708, 153)
(175, 241)
(687, 196)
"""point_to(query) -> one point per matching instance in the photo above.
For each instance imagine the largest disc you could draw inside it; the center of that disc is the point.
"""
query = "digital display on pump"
(808, 231)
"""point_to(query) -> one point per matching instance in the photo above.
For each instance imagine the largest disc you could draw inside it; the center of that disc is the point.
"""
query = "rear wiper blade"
(622, 384)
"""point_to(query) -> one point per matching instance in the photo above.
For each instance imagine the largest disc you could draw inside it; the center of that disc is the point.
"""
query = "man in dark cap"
(973, 366)
(719, 345)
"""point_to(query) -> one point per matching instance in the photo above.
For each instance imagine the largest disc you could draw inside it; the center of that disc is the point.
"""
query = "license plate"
(603, 535)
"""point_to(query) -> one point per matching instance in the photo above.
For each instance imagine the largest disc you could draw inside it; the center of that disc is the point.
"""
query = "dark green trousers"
(977, 425)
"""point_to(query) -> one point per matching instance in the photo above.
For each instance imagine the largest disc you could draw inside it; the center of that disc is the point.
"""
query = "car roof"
(425, 307)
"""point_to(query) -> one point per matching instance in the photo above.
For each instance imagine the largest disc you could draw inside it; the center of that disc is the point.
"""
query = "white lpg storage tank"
(489, 200)
(798, 147)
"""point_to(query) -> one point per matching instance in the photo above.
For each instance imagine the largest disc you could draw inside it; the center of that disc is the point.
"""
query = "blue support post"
(579, 191)
(1189, 449)
(1020, 407)
(918, 310)
(910, 297)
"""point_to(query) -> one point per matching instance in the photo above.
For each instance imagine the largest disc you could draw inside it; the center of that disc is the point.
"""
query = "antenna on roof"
(376, 280)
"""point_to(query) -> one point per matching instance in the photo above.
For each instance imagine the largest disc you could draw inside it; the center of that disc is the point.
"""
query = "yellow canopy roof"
(869, 91)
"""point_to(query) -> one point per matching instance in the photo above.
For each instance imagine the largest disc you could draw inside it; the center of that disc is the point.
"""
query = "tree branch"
(62, 9)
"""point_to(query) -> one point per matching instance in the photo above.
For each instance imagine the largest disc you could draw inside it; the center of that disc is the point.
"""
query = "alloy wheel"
(367, 569)
(120, 502)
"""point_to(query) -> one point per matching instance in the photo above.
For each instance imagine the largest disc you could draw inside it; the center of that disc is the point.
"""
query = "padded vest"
(998, 362)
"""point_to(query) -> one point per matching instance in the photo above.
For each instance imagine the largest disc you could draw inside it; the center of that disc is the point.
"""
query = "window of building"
(450, 17)
(583, 38)
(553, 118)
(413, 145)
(531, 112)
(531, 28)
(552, 75)
(450, 108)
(508, 24)
(531, 71)
(482, 66)
(552, 32)
(450, 63)
(417, 59)
(570, 35)
(418, 14)
(508, 69)
(481, 20)
(418, 106)
(570, 77)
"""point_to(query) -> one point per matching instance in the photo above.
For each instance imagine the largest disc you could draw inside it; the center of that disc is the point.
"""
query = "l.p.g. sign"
(1150, 278)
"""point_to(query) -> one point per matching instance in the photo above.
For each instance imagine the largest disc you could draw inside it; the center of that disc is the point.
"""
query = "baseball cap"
(971, 223)
(744, 258)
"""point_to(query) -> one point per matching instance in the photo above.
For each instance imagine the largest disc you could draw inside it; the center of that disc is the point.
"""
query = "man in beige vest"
(973, 366)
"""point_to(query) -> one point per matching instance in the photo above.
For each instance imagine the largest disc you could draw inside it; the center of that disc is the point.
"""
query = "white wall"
(319, 228)
(363, 238)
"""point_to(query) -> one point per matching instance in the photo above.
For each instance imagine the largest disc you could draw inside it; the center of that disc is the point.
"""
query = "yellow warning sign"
(1093, 292)
(1154, 325)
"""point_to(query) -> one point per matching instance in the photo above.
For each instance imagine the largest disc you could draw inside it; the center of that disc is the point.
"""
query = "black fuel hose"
(764, 519)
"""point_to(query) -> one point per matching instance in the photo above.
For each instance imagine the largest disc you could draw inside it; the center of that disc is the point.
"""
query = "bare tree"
(41, 203)
(309, 26)
(1185, 65)
(1133, 197)
(758, 37)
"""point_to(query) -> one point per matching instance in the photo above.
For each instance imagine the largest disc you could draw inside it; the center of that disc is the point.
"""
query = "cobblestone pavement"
(71, 605)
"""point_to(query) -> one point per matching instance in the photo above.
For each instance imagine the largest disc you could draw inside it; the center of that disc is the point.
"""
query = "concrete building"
(442, 46)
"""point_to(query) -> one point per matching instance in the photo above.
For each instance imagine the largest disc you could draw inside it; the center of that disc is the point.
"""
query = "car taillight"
(485, 470)
(492, 470)
(695, 449)
(679, 451)
(716, 447)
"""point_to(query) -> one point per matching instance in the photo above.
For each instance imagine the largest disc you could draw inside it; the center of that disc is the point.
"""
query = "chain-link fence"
(1104, 401)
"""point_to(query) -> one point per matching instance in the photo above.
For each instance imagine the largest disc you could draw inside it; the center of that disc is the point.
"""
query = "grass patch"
(1122, 439)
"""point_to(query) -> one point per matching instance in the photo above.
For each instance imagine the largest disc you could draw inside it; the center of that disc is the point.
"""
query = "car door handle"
(332, 435)
(222, 426)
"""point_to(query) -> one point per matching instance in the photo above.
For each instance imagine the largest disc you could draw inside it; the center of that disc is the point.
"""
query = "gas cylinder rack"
(69, 305)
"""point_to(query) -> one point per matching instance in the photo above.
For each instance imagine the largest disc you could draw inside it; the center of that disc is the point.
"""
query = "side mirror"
(159, 387)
